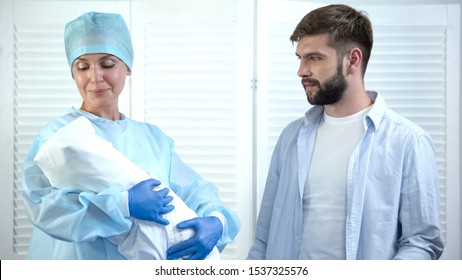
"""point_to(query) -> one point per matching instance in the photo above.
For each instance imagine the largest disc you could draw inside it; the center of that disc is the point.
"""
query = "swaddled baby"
(75, 156)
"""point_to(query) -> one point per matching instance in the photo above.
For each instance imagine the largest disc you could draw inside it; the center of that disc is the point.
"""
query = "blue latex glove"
(146, 204)
(207, 232)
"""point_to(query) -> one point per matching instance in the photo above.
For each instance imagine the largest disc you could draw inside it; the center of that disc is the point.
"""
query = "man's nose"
(303, 70)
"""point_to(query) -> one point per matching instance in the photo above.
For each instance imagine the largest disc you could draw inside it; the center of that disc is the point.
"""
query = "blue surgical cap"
(98, 33)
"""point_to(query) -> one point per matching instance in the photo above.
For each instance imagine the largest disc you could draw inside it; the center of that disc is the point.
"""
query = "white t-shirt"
(324, 197)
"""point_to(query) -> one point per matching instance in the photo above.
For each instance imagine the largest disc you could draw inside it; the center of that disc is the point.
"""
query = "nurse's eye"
(108, 63)
(82, 66)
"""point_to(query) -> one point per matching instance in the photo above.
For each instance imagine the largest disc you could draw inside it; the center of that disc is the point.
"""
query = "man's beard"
(331, 91)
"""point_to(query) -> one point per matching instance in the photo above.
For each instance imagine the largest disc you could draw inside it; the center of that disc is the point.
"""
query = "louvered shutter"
(280, 97)
(191, 91)
(39, 81)
(43, 86)
(409, 67)
(43, 91)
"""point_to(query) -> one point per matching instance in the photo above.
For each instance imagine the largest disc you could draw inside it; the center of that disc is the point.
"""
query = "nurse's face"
(100, 78)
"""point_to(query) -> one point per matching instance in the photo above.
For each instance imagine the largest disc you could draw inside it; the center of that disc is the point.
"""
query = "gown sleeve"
(69, 213)
(201, 196)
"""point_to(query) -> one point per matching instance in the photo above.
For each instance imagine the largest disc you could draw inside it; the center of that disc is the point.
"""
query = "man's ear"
(355, 56)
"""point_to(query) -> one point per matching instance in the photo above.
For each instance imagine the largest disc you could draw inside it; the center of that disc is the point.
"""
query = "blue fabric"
(98, 33)
(70, 224)
(392, 191)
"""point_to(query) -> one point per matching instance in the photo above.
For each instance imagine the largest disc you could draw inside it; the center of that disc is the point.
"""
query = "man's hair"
(345, 26)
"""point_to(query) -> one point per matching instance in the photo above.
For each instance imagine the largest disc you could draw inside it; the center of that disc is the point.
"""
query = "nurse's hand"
(146, 204)
(207, 232)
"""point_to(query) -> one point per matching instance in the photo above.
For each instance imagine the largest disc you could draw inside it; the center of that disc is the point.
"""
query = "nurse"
(73, 224)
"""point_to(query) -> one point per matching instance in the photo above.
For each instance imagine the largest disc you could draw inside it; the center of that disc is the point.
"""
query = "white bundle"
(76, 157)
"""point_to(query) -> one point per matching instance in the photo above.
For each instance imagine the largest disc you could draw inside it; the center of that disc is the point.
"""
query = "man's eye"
(315, 58)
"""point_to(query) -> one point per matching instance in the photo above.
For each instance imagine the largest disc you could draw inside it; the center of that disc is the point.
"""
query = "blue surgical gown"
(73, 224)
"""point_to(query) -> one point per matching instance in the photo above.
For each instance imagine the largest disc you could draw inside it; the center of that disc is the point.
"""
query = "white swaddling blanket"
(76, 157)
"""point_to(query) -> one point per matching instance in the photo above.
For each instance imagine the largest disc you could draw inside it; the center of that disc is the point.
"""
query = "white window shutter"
(192, 91)
(43, 85)
(220, 133)
(280, 97)
(43, 90)
(409, 69)
(409, 66)
(202, 111)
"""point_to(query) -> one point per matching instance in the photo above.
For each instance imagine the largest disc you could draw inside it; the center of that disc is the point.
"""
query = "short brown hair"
(344, 25)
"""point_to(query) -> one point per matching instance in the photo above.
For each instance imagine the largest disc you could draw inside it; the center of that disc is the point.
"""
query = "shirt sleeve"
(67, 213)
(258, 250)
(419, 212)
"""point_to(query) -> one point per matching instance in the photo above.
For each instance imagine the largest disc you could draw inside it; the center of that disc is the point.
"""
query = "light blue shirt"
(392, 191)
(73, 224)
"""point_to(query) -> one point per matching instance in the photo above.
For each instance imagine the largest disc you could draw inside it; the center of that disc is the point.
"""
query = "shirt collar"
(377, 111)
(93, 117)
(314, 114)
(374, 116)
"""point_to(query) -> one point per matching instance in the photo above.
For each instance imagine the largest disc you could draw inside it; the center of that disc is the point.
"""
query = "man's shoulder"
(311, 116)
(292, 130)
(400, 123)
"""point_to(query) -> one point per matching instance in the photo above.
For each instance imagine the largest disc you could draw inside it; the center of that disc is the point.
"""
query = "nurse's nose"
(96, 75)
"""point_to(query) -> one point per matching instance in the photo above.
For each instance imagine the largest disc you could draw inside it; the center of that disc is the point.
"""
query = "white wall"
(6, 129)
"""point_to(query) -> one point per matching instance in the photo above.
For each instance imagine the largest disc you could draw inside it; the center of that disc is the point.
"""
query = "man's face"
(320, 70)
